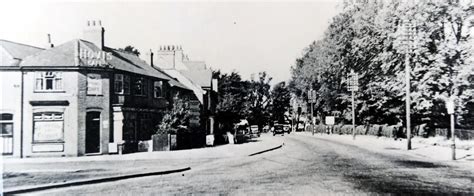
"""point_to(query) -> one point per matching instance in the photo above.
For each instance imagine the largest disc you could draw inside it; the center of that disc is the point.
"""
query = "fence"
(392, 131)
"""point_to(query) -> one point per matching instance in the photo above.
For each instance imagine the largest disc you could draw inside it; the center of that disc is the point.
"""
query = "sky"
(242, 36)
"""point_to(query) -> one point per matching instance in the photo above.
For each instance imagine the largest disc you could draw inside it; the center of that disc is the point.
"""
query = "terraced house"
(79, 98)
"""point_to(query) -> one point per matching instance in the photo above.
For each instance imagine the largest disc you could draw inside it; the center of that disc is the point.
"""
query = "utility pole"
(312, 100)
(353, 86)
(408, 31)
(450, 107)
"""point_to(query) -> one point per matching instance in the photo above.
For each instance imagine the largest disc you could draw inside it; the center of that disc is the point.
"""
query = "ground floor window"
(48, 127)
(6, 133)
(6, 124)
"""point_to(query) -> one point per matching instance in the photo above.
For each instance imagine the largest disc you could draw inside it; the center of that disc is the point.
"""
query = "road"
(303, 166)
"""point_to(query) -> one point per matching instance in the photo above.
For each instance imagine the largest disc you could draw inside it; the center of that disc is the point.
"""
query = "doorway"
(92, 132)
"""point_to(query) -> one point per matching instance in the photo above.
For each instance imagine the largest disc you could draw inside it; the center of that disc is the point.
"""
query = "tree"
(367, 37)
(130, 49)
(175, 119)
(258, 100)
(280, 101)
(232, 98)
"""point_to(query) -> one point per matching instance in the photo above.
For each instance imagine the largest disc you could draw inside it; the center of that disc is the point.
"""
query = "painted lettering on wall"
(94, 58)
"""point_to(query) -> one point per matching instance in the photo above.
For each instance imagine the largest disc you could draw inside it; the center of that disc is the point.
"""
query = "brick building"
(79, 98)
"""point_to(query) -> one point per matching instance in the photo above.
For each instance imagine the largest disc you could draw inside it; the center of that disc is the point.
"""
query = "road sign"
(312, 96)
(450, 106)
(330, 120)
(353, 81)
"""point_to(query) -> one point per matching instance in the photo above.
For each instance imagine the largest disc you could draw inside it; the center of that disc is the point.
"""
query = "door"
(92, 132)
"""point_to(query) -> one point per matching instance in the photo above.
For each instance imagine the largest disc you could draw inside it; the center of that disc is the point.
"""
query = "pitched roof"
(18, 51)
(66, 55)
(201, 77)
(187, 82)
(195, 65)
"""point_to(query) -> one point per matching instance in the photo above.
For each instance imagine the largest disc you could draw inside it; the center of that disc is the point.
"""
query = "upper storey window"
(49, 81)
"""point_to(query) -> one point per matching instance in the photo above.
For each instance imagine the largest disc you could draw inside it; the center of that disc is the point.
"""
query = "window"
(6, 124)
(157, 89)
(48, 127)
(49, 81)
(122, 84)
(139, 86)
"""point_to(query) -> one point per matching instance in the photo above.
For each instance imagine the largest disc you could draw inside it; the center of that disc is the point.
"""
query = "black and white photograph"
(237, 97)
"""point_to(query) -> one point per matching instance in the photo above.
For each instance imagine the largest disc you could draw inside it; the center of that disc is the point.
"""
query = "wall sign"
(94, 84)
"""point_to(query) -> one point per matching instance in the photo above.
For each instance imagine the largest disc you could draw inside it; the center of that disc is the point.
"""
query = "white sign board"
(210, 140)
(48, 131)
(450, 106)
(94, 84)
(330, 120)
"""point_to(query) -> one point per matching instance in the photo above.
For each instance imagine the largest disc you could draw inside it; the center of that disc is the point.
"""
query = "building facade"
(196, 76)
(79, 98)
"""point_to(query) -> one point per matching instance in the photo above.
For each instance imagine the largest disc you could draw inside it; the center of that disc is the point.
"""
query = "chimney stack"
(94, 32)
(151, 58)
(49, 44)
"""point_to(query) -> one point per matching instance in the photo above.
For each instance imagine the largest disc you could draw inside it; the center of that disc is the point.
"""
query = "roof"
(187, 82)
(195, 65)
(66, 55)
(12, 53)
(18, 50)
(201, 77)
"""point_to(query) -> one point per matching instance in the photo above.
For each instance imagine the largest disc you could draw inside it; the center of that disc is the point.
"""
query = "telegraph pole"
(353, 86)
(408, 31)
(450, 107)
(312, 100)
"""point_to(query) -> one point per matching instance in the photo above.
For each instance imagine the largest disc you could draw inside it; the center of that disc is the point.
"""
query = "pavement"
(435, 149)
(35, 173)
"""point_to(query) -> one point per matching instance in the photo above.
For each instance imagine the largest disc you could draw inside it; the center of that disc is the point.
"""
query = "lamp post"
(408, 33)
(353, 86)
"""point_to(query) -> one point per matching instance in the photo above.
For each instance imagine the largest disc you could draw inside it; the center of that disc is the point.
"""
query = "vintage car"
(254, 132)
(278, 129)
(241, 134)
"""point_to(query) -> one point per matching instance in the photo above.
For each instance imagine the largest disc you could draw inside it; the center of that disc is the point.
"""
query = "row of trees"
(367, 37)
(253, 100)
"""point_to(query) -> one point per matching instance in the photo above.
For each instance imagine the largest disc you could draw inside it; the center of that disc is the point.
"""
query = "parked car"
(254, 132)
(266, 128)
(241, 134)
(278, 129)
(287, 127)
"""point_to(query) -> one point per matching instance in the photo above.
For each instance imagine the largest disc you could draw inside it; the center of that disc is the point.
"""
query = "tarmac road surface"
(303, 166)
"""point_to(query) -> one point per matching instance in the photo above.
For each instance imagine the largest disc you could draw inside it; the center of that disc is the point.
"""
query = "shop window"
(49, 81)
(122, 84)
(6, 124)
(48, 127)
(157, 89)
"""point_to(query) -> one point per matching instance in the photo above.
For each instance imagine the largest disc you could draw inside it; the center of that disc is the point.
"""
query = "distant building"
(79, 98)
(194, 75)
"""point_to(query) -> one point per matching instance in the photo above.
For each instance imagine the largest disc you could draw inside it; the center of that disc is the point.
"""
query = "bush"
(387, 131)
(360, 130)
